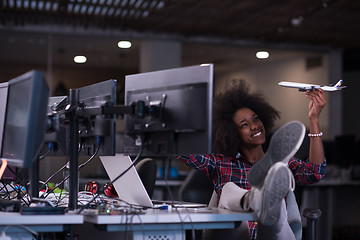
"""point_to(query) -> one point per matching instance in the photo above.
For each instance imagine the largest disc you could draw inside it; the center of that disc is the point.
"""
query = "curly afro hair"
(235, 97)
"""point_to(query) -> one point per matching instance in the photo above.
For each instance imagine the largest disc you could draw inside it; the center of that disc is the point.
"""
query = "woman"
(243, 175)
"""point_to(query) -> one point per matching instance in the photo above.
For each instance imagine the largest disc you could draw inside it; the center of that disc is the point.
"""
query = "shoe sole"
(283, 145)
(274, 192)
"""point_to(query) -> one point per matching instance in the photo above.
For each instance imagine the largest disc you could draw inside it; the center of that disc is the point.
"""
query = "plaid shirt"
(222, 169)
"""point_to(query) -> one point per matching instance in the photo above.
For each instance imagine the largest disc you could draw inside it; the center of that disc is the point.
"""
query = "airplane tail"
(339, 83)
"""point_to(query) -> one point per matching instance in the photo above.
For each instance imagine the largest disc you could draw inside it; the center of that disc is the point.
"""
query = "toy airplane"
(303, 87)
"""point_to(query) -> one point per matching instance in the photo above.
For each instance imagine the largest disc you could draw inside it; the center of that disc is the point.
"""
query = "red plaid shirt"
(222, 169)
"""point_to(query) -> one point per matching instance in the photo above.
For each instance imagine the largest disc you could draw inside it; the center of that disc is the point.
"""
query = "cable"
(55, 107)
(6, 190)
(79, 167)
(52, 176)
(141, 224)
(82, 165)
(166, 174)
(50, 148)
(18, 191)
(92, 157)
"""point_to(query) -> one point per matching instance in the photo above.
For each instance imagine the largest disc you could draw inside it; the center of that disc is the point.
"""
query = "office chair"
(196, 188)
(147, 169)
(312, 215)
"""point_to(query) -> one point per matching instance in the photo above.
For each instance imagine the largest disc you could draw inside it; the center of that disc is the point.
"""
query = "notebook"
(130, 188)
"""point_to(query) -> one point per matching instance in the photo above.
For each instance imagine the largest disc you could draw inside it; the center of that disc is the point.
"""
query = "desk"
(38, 223)
(162, 224)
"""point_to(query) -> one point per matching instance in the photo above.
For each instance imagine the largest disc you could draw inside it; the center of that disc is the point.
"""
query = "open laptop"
(129, 187)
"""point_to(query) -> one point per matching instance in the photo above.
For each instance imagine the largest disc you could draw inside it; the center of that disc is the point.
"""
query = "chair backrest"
(147, 169)
(213, 200)
(196, 188)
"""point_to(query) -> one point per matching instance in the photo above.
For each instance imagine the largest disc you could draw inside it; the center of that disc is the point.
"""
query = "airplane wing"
(303, 87)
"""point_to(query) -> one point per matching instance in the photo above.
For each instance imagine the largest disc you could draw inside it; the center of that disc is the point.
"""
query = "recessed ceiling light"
(124, 44)
(80, 59)
(262, 54)
(297, 21)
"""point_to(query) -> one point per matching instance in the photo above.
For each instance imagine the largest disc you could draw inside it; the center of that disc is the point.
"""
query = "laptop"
(130, 188)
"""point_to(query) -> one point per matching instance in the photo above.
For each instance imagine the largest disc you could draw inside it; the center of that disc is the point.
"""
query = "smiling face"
(250, 128)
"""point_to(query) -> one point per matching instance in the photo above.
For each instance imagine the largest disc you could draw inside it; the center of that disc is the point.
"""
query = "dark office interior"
(315, 42)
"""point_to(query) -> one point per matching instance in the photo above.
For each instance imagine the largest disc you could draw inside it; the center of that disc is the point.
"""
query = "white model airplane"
(303, 87)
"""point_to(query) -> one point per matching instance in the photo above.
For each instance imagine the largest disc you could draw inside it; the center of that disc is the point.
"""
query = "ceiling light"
(297, 21)
(124, 44)
(80, 59)
(262, 54)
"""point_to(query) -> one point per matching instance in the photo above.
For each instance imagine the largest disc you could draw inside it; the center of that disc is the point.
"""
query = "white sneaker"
(266, 202)
(283, 145)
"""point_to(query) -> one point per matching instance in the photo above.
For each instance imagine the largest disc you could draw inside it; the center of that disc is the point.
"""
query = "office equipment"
(178, 115)
(89, 127)
(48, 210)
(7, 174)
(57, 132)
(129, 187)
(25, 119)
(95, 128)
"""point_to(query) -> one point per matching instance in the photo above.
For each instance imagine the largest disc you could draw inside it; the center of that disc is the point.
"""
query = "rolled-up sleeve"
(306, 172)
(203, 163)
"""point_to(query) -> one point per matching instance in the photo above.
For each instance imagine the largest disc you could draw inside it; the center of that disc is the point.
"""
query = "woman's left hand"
(317, 102)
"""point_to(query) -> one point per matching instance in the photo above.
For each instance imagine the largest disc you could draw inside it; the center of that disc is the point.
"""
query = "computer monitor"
(92, 124)
(9, 175)
(57, 134)
(178, 117)
(92, 127)
(25, 119)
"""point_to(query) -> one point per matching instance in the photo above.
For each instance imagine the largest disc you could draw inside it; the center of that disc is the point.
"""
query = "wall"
(351, 100)
(70, 76)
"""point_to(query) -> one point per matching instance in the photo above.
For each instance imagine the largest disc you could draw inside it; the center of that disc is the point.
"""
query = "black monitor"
(178, 118)
(25, 119)
(57, 134)
(9, 175)
(93, 127)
